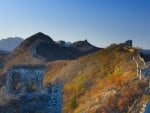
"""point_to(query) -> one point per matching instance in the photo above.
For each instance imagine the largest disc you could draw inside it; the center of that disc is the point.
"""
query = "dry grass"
(52, 68)
(90, 78)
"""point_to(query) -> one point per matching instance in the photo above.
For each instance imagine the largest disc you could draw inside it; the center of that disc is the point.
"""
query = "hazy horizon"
(101, 22)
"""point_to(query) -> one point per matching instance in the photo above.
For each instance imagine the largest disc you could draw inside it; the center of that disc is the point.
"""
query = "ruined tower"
(24, 78)
(26, 83)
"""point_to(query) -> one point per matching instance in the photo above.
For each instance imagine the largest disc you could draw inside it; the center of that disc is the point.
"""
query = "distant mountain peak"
(39, 34)
(10, 43)
(38, 37)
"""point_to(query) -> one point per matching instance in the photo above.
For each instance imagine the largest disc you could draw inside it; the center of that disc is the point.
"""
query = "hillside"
(93, 80)
(104, 81)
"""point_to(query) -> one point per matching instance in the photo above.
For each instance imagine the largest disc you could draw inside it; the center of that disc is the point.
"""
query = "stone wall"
(25, 84)
(24, 78)
(55, 102)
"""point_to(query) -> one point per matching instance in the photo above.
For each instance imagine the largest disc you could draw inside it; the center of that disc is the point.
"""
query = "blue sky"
(101, 22)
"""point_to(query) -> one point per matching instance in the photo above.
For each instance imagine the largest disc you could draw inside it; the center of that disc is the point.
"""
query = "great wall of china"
(24, 83)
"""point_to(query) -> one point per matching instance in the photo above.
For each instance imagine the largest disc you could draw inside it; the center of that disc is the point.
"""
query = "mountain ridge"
(42, 46)
(10, 43)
